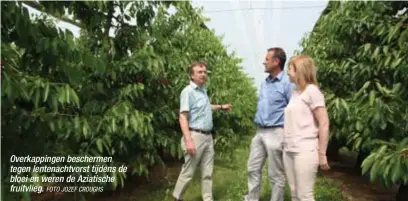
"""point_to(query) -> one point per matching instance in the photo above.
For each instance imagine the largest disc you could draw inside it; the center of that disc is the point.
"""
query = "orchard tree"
(114, 91)
(361, 51)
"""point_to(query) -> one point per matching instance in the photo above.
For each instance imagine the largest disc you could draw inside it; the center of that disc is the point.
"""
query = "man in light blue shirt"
(194, 100)
(274, 95)
(197, 124)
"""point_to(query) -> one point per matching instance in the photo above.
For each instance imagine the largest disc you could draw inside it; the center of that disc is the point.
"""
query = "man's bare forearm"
(184, 127)
(216, 107)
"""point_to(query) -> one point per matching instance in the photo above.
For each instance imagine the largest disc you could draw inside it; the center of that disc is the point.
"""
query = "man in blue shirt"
(196, 124)
(274, 95)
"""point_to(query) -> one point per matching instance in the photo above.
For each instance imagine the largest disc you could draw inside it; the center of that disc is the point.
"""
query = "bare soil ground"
(354, 186)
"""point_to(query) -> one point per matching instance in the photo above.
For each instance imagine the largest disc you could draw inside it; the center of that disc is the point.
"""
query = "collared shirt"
(274, 96)
(195, 101)
(301, 131)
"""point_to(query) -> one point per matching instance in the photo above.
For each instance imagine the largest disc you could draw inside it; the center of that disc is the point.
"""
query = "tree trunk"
(402, 194)
(360, 158)
(333, 149)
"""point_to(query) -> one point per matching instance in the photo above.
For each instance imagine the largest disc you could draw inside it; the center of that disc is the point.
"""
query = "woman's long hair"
(305, 71)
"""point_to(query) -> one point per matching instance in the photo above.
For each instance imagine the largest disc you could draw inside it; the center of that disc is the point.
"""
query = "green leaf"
(367, 163)
(99, 145)
(366, 84)
(113, 125)
(374, 171)
(346, 107)
(386, 172)
(393, 32)
(367, 47)
(77, 124)
(379, 87)
(357, 143)
(387, 61)
(122, 109)
(47, 89)
(397, 171)
(133, 123)
(359, 126)
(376, 52)
(372, 97)
(337, 104)
(74, 97)
(382, 149)
(67, 96)
(85, 128)
(385, 49)
(61, 97)
(396, 63)
(126, 121)
(52, 126)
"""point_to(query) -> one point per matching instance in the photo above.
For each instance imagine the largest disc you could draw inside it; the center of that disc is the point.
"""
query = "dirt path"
(356, 187)
(135, 188)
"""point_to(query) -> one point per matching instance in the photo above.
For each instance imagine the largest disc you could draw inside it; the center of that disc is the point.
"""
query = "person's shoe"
(177, 199)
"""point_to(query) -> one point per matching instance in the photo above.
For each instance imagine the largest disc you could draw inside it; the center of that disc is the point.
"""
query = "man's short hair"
(191, 67)
(280, 54)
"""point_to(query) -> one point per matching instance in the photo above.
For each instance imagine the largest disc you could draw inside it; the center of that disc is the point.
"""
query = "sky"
(249, 27)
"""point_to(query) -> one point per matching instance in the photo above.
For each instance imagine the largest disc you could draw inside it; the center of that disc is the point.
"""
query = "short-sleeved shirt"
(274, 95)
(195, 101)
(301, 130)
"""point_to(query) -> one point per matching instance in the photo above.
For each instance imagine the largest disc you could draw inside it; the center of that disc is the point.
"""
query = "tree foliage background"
(114, 91)
(361, 52)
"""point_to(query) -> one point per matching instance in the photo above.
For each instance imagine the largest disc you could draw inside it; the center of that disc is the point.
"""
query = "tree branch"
(39, 7)
(109, 18)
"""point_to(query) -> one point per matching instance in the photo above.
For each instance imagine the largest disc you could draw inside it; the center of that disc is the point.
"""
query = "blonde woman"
(306, 130)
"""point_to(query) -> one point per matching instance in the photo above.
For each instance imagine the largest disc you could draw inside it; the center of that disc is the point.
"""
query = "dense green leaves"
(105, 94)
(360, 49)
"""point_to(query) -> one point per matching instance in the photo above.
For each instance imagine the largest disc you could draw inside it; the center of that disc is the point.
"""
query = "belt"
(276, 126)
(201, 131)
